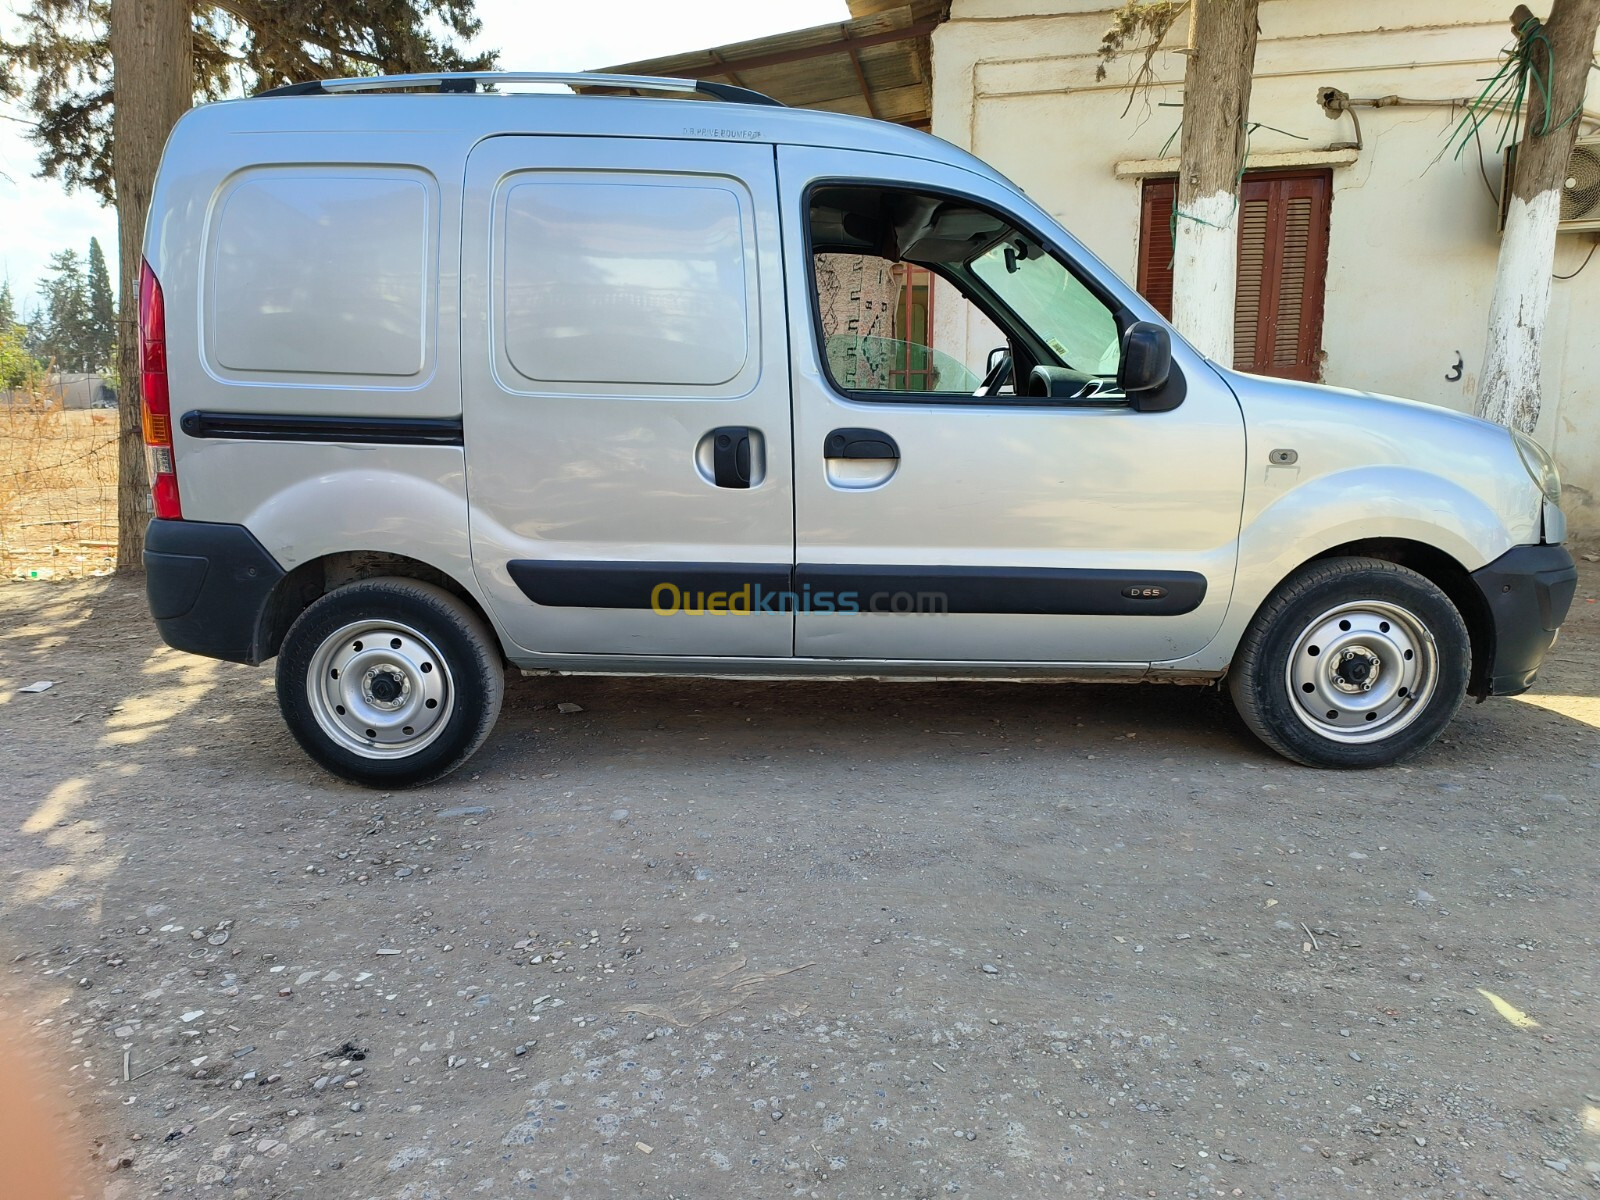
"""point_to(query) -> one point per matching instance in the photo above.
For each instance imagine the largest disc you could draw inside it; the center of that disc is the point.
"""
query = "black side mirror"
(996, 356)
(1145, 373)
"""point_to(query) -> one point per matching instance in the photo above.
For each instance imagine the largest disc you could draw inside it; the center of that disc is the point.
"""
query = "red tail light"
(159, 456)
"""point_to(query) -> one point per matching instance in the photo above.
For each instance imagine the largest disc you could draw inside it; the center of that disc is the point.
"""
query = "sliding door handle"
(730, 456)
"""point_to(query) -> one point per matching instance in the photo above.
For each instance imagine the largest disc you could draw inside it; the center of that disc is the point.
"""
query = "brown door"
(1283, 265)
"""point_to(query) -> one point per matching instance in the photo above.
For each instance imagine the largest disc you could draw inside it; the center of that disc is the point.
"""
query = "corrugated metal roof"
(878, 64)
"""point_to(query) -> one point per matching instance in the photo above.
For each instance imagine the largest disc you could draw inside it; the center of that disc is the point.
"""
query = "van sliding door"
(625, 368)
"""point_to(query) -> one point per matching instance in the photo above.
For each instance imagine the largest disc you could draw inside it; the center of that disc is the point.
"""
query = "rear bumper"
(208, 586)
(1528, 590)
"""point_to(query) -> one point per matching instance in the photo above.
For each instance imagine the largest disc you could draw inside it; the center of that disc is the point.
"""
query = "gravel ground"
(709, 939)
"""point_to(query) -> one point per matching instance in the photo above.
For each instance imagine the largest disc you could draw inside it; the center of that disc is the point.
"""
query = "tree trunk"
(1509, 388)
(152, 58)
(1216, 101)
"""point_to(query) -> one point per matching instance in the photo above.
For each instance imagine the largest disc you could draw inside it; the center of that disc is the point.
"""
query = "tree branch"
(254, 16)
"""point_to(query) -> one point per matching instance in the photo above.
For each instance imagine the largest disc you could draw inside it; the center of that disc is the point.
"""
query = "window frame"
(992, 307)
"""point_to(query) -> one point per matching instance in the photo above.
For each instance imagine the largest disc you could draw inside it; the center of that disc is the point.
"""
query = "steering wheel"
(996, 379)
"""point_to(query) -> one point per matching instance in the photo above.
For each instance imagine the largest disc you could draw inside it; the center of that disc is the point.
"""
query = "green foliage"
(18, 368)
(102, 312)
(63, 328)
(61, 63)
(8, 306)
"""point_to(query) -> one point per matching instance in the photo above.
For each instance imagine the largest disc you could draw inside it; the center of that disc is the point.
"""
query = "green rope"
(1520, 79)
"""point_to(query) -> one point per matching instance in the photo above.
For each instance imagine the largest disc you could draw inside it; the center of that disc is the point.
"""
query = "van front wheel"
(1352, 662)
(389, 682)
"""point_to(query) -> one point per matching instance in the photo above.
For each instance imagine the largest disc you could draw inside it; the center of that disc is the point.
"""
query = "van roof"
(455, 110)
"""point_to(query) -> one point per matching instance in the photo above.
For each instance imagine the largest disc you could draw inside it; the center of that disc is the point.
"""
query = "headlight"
(1540, 466)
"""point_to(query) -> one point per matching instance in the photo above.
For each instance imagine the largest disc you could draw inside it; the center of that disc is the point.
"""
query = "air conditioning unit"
(1580, 191)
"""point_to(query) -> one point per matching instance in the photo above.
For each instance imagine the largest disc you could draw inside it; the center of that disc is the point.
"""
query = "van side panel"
(311, 282)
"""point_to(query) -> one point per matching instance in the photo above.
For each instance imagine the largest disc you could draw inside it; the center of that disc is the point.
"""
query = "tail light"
(159, 457)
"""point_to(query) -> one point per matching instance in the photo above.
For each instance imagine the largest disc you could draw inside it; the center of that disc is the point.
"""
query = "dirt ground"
(709, 939)
(58, 492)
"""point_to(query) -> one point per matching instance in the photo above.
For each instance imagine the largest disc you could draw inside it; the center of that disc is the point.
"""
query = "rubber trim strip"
(1042, 591)
(301, 427)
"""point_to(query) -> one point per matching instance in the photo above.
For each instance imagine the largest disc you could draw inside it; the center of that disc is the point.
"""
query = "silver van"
(444, 373)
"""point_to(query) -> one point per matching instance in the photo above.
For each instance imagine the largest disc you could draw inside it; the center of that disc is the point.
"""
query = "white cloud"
(38, 217)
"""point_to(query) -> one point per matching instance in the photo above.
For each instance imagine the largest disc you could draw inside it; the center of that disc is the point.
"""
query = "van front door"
(941, 511)
(626, 396)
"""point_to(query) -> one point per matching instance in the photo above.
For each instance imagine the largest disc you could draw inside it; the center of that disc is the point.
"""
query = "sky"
(38, 217)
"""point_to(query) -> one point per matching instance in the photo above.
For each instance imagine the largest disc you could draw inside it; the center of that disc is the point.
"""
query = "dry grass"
(58, 492)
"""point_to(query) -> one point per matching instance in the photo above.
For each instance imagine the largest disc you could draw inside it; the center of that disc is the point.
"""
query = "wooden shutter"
(1283, 264)
(1155, 244)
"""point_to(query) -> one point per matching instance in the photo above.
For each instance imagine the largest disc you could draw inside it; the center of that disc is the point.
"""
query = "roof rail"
(468, 81)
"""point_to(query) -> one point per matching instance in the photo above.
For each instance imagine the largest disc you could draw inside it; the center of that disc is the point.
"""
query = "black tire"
(390, 682)
(1352, 662)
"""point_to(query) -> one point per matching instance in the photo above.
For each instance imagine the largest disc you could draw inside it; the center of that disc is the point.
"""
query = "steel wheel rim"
(1362, 671)
(380, 689)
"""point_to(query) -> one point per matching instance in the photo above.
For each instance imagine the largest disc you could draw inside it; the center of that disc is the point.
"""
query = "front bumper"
(209, 586)
(1528, 590)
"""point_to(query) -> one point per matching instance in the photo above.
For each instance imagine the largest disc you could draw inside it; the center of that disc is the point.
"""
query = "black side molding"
(302, 427)
(1041, 591)
(996, 590)
(563, 584)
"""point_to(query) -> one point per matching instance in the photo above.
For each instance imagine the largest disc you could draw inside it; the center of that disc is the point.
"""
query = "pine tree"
(8, 307)
(93, 72)
(64, 332)
(102, 314)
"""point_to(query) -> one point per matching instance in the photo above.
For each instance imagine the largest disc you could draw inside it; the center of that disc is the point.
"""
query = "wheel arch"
(1444, 572)
(315, 578)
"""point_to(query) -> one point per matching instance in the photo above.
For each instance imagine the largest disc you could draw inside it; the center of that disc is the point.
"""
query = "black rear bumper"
(1528, 590)
(208, 586)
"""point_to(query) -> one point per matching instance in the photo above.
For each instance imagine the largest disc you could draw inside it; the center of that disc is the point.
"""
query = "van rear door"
(626, 396)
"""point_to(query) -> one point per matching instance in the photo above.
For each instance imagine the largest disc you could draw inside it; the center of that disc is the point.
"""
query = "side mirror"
(1145, 373)
(996, 356)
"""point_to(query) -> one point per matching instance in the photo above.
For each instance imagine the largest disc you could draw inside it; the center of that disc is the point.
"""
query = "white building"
(1368, 244)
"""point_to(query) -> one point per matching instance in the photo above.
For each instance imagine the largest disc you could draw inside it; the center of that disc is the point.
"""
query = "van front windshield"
(1064, 314)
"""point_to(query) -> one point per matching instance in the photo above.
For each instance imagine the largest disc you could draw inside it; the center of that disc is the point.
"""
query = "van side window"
(624, 280)
(932, 295)
(321, 271)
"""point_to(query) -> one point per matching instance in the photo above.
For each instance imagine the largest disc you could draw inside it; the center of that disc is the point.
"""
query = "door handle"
(730, 456)
(859, 443)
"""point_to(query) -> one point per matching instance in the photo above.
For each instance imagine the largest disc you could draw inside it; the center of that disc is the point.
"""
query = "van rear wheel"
(389, 682)
(1353, 662)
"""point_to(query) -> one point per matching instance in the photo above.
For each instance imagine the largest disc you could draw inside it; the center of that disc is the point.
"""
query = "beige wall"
(1413, 242)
